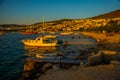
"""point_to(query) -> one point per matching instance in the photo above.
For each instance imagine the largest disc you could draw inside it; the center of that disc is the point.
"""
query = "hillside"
(60, 21)
(113, 14)
(68, 24)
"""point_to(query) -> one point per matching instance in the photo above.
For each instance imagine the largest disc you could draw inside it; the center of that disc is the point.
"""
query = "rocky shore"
(107, 42)
(105, 65)
(99, 72)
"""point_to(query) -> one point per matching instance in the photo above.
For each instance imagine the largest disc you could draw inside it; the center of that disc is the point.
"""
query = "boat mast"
(43, 26)
(26, 25)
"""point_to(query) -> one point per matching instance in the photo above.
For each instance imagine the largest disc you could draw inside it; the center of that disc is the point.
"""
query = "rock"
(29, 65)
(74, 68)
(110, 55)
(103, 57)
(46, 67)
(114, 62)
(95, 59)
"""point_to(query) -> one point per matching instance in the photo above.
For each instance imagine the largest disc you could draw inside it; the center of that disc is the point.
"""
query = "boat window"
(49, 40)
(38, 39)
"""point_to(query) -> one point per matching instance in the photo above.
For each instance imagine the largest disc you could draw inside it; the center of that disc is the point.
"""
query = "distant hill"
(113, 14)
(11, 25)
(60, 21)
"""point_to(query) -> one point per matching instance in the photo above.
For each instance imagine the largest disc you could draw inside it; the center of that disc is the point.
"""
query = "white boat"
(56, 55)
(47, 40)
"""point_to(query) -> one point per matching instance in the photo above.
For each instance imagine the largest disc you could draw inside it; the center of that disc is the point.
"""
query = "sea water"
(13, 52)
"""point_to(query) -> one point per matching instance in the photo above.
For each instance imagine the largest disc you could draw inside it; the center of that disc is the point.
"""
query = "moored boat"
(47, 40)
(28, 32)
(66, 33)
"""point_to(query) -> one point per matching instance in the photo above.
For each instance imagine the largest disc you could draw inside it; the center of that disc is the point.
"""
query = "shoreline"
(111, 43)
(102, 71)
(97, 63)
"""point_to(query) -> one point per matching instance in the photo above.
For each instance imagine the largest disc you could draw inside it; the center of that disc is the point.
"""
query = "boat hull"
(37, 43)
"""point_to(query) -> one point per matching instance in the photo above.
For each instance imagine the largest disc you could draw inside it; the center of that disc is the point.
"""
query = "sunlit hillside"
(113, 14)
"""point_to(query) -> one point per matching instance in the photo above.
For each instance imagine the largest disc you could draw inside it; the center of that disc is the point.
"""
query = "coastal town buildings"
(67, 25)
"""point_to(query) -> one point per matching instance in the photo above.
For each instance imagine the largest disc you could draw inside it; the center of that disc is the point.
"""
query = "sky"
(34, 11)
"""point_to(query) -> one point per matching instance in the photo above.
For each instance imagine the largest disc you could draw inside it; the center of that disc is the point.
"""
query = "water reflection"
(31, 51)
